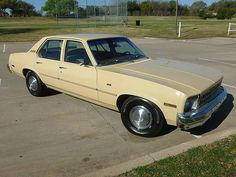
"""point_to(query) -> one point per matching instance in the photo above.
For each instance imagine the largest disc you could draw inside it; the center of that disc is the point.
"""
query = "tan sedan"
(113, 72)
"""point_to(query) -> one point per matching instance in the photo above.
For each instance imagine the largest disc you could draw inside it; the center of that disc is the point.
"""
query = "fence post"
(179, 32)
(229, 29)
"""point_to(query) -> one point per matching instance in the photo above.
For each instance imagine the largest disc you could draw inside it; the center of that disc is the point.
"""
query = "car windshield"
(114, 50)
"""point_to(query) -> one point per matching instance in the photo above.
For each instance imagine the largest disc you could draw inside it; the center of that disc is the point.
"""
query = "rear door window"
(51, 50)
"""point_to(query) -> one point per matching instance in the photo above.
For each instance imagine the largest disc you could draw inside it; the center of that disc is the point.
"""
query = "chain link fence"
(94, 13)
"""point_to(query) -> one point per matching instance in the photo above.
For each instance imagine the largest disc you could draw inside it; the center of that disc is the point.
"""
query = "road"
(59, 135)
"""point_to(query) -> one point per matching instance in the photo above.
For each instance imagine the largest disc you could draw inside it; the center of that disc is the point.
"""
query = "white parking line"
(0, 82)
(149, 38)
(197, 136)
(4, 48)
(216, 61)
(230, 86)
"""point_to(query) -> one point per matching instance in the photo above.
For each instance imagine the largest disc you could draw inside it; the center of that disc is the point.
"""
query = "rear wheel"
(34, 84)
(142, 117)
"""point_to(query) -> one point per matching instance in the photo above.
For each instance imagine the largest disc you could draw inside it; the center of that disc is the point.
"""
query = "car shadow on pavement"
(168, 129)
(217, 118)
(51, 92)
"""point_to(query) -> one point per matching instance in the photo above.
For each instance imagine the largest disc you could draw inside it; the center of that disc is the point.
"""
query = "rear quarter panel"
(20, 61)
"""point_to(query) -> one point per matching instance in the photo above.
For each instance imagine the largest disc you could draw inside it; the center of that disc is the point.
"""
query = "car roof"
(85, 36)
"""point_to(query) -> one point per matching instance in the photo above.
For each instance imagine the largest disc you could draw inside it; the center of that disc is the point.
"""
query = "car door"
(77, 74)
(48, 62)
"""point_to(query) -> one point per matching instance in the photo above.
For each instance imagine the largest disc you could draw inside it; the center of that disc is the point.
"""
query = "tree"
(172, 7)
(183, 10)
(7, 4)
(22, 8)
(225, 13)
(17, 8)
(224, 8)
(59, 7)
(162, 8)
(132, 7)
(147, 8)
(197, 6)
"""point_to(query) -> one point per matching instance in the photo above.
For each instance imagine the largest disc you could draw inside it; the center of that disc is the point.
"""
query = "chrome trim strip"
(200, 116)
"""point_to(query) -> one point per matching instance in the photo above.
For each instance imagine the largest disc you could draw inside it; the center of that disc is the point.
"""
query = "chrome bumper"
(200, 116)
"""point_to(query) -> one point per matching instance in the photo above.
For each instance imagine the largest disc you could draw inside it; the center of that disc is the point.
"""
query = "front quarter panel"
(111, 85)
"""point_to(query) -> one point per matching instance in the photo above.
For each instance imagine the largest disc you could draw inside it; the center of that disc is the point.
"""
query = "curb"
(150, 158)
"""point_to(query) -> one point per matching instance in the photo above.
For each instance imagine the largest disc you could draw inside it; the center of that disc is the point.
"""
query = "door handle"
(38, 62)
(61, 67)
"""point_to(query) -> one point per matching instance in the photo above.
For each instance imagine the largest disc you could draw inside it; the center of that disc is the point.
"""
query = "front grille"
(210, 93)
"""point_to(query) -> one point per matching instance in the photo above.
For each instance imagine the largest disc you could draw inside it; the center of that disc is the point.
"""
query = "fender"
(169, 113)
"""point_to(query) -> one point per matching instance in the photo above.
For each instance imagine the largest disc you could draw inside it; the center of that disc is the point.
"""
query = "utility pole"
(176, 16)
(76, 13)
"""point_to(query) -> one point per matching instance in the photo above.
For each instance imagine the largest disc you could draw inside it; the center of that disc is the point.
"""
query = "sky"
(39, 3)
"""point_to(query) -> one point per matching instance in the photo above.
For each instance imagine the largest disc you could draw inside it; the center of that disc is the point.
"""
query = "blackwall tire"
(142, 117)
(34, 84)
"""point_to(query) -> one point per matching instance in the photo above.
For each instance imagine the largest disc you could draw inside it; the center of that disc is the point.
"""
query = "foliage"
(154, 8)
(172, 6)
(59, 7)
(147, 8)
(224, 13)
(198, 6)
(132, 7)
(23, 9)
(205, 14)
(17, 8)
(223, 9)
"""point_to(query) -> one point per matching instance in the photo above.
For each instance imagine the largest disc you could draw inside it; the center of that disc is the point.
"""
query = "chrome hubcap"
(33, 83)
(140, 117)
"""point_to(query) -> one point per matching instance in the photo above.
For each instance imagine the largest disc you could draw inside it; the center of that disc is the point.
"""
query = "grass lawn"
(215, 160)
(33, 28)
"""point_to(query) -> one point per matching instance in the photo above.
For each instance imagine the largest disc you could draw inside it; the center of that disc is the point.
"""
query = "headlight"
(191, 104)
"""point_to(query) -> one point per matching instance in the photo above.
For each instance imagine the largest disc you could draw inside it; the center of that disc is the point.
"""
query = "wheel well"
(121, 99)
(25, 71)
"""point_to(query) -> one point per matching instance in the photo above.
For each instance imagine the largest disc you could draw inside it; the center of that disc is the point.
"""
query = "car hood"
(177, 74)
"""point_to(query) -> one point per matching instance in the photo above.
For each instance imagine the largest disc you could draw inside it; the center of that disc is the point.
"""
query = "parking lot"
(59, 135)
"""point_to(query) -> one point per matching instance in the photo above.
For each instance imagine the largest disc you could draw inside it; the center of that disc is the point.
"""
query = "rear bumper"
(200, 116)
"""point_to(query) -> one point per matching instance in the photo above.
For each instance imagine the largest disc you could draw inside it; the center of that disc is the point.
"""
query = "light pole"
(76, 13)
(176, 16)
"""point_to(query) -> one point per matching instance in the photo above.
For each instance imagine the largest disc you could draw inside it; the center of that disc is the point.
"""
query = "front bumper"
(200, 116)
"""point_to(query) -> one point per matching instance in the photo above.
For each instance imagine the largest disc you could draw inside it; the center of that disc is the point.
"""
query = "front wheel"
(142, 117)
(34, 84)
